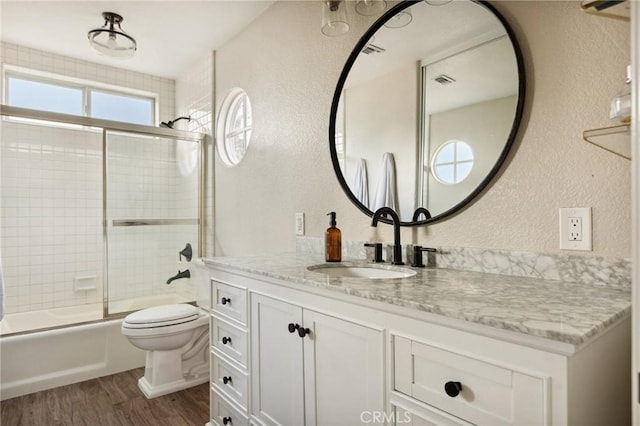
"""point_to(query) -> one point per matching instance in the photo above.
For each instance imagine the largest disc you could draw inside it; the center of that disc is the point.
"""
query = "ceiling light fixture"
(110, 39)
(334, 18)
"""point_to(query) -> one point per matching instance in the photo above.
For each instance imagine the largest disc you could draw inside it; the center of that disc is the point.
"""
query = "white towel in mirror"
(386, 191)
(361, 183)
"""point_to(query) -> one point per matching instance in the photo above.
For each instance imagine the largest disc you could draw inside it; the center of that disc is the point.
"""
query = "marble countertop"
(560, 311)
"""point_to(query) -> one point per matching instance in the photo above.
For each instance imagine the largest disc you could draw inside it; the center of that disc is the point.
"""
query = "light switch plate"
(299, 223)
(575, 229)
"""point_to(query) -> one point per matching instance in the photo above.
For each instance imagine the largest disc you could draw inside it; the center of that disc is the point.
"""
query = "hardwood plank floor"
(107, 401)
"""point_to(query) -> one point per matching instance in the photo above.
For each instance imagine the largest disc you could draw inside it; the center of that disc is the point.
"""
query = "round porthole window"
(233, 132)
(452, 162)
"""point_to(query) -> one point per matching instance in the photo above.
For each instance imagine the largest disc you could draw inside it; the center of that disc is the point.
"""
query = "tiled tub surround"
(560, 311)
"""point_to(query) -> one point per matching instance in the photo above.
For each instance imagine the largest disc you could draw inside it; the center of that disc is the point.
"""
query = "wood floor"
(109, 401)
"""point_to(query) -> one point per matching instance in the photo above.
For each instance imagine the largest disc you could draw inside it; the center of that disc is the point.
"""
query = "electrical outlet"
(299, 223)
(575, 229)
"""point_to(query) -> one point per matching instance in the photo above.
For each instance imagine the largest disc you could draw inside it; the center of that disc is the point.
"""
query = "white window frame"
(224, 134)
(87, 86)
(454, 163)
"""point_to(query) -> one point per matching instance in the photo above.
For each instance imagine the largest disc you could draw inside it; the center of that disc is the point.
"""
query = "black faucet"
(180, 274)
(397, 248)
(420, 210)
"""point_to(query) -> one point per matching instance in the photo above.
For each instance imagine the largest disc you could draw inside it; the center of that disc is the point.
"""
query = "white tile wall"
(51, 198)
(195, 97)
(144, 183)
(51, 209)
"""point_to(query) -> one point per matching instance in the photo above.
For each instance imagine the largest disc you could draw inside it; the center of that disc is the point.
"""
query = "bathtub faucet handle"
(180, 274)
(187, 252)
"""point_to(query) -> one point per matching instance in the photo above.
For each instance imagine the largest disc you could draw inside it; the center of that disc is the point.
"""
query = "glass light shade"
(437, 2)
(401, 19)
(370, 7)
(110, 39)
(334, 18)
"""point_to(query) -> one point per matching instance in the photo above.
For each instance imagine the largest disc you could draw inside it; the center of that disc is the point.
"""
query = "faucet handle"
(377, 254)
(417, 255)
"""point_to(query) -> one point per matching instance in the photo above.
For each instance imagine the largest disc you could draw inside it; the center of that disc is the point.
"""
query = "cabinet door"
(276, 363)
(344, 374)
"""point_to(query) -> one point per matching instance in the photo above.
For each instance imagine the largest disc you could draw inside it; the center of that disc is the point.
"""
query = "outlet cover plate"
(575, 229)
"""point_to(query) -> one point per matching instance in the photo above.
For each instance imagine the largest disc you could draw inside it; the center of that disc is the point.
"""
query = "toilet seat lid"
(179, 312)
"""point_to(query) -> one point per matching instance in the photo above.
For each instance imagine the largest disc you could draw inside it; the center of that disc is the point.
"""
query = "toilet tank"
(202, 283)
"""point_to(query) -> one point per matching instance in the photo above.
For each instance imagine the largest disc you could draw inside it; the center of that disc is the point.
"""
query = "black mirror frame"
(508, 144)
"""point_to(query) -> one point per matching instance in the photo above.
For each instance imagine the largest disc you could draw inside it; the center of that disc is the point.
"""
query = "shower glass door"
(152, 207)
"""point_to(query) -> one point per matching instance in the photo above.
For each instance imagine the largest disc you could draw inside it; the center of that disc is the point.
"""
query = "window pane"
(445, 173)
(464, 152)
(446, 154)
(110, 106)
(463, 170)
(44, 97)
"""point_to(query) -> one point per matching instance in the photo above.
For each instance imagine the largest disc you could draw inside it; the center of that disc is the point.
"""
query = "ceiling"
(171, 35)
(461, 39)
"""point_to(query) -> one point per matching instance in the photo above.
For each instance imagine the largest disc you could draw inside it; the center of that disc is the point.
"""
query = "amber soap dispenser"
(332, 241)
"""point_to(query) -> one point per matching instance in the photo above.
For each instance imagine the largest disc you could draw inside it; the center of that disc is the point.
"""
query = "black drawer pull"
(293, 327)
(226, 420)
(225, 300)
(453, 388)
(226, 380)
(226, 340)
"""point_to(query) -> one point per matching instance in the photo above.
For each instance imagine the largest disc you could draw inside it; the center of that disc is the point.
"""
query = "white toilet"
(176, 338)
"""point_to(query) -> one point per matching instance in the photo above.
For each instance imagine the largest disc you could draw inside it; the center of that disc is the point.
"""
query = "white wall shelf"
(615, 139)
(607, 8)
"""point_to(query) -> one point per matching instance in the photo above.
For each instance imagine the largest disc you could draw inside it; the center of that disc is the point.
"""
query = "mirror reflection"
(427, 112)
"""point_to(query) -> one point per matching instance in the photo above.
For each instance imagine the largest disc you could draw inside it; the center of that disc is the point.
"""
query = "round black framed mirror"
(424, 115)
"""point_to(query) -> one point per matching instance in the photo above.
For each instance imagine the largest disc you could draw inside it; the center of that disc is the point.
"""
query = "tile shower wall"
(144, 182)
(194, 97)
(52, 225)
(51, 209)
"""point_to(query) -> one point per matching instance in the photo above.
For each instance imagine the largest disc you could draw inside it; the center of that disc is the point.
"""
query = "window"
(112, 106)
(452, 162)
(54, 95)
(44, 96)
(234, 127)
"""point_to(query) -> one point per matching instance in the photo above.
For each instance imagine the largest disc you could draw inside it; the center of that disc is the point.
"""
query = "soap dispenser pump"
(332, 241)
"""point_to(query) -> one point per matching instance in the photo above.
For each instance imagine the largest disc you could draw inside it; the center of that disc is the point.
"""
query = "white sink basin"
(372, 272)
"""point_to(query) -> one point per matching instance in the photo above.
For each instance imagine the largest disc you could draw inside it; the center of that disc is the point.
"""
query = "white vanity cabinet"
(229, 355)
(303, 355)
(312, 369)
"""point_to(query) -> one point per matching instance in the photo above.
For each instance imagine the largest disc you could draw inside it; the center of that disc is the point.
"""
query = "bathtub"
(51, 358)
(75, 344)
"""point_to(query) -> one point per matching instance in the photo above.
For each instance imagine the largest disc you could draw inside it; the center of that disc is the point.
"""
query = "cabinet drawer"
(424, 417)
(229, 300)
(223, 413)
(229, 339)
(488, 394)
(229, 380)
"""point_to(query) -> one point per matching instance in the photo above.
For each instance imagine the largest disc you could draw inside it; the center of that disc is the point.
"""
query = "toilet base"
(167, 388)
(170, 371)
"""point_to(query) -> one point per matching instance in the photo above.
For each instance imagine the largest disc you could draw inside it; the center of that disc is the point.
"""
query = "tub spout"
(180, 274)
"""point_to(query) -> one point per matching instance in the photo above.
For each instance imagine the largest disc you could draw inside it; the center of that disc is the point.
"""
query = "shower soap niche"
(87, 283)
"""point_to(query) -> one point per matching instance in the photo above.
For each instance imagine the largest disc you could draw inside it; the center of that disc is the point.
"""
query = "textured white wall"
(575, 63)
